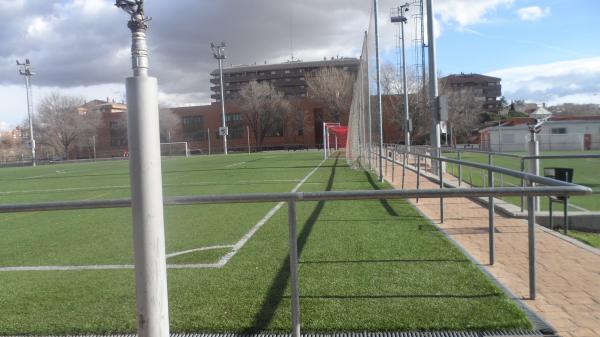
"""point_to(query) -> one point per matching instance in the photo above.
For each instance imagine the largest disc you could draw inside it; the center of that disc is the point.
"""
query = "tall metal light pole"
(400, 18)
(379, 107)
(433, 83)
(146, 182)
(219, 54)
(25, 70)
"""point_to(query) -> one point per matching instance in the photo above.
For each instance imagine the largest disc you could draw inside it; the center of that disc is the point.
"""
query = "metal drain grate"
(495, 333)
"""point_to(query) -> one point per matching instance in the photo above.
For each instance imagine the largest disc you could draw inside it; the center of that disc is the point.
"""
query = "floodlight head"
(129, 6)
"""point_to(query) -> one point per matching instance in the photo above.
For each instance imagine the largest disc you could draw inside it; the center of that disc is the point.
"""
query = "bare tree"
(333, 88)
(392, 97)
(168, 121)
(464, 110)
(264, 108)
(61, 124)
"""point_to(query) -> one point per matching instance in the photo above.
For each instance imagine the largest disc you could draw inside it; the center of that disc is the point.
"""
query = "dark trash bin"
(562, 174)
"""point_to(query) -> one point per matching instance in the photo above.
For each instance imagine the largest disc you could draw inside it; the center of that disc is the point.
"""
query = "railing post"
(522, 184)
(418, 173)
(492, 249)
(403, 167)
(387, 152)
(459, 169)
(293, 247)
(531, 240)
(393, 163)
(566, 214)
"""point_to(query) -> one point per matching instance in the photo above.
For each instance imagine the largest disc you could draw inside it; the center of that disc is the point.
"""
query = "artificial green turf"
(585, 173)
(592, 239)
(364, 265)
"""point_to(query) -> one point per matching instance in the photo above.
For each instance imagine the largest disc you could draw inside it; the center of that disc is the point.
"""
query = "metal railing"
(554, 188)
(529, 189)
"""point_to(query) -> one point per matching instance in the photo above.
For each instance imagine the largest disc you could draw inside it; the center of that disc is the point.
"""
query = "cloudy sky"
(544, 50)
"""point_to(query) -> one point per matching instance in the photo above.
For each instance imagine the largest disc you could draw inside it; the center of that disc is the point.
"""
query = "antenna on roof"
(292, 31)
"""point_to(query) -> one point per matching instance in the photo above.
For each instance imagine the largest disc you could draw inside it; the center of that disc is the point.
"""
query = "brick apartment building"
(487, 89)
(198, 125)
(289, 77)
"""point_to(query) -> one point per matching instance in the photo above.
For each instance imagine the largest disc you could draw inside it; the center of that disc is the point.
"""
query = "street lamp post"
(219, 54)
(400, 18)
(146, 182)
(25, 70)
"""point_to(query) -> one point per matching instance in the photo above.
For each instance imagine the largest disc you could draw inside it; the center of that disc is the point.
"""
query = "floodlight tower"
(400, 18)
(25, 70)
(219, 54)
(146, 182)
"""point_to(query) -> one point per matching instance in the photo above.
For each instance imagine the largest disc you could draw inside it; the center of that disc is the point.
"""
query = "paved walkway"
(568, 277)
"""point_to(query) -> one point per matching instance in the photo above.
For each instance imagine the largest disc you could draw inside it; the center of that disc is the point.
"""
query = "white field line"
(223, 261)
(236, 164)
(197, 250)
(220, 264)
(99, 188)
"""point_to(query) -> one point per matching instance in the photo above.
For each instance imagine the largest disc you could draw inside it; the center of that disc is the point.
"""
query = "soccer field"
(364, 265)
(585, 173)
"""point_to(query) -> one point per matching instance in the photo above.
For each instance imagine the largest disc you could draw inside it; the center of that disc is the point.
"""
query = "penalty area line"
(220, 264)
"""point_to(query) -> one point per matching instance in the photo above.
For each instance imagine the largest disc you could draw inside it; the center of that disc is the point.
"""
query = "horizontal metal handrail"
(564, 156)
(496, 169)
(570, 189)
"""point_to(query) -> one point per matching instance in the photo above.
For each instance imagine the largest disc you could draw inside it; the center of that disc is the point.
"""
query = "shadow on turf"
(275, 294)
(383, 202)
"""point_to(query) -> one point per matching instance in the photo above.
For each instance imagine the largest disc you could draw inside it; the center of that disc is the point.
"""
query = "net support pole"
(324, 143)
(208, 136)
(248, 132)
(379, 106)
(491, 225)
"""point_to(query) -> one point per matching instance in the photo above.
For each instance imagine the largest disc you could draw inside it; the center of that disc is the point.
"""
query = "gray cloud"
(74, 45)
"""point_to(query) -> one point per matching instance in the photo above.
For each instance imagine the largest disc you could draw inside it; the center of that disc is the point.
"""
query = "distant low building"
(486, 88)
(568, 133)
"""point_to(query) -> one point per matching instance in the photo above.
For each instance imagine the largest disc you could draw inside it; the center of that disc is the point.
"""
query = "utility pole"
(219, 54)
(400, 18)
(146, 182)
(25, 70)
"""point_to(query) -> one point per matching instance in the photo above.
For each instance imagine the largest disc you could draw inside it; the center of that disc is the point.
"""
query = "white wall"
(514, 138)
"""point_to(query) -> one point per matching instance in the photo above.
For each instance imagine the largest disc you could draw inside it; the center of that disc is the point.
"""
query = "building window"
(287, 71)
(491, 84)
(118, 134)
(235, 125)
(193, 128)
(273, 72)
(559, 131)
